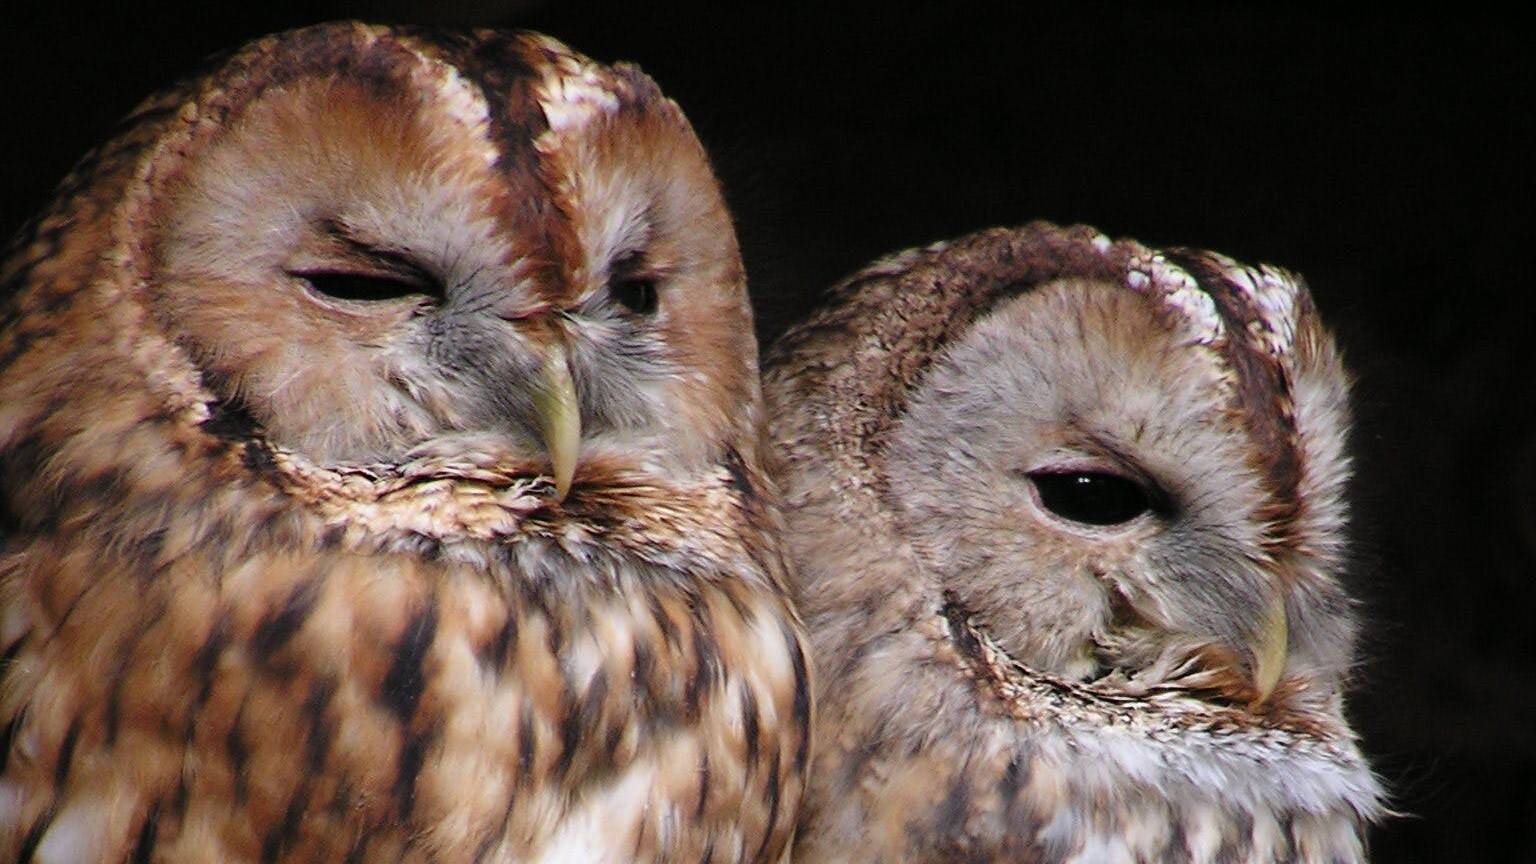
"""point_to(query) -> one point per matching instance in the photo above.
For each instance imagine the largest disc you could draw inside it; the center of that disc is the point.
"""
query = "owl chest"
(1044, 797)
(313, 707)
(586, 706)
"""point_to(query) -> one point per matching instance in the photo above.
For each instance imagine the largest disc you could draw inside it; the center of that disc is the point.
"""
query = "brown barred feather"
(285, 575)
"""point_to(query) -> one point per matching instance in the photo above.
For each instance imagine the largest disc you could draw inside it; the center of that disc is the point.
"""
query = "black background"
(1386, 158)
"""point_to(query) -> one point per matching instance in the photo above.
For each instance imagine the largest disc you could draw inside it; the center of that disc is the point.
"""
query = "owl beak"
(559, 416)
(1270, 646)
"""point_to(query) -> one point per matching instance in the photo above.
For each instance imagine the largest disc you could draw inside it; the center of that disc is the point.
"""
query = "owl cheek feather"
(1236, 656)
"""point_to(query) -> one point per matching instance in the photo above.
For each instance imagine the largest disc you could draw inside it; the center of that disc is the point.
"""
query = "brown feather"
(277, 588)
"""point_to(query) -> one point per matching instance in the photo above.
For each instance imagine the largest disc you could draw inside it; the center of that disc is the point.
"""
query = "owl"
(380, 477)
(1068, 521)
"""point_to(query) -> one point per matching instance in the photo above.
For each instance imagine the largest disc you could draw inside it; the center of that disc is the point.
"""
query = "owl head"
(1126, 465)
(1068, 520)
(372, 243)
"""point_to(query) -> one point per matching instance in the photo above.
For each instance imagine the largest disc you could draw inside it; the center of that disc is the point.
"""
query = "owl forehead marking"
(505, 75)
(1154, 274)
(462, 102)
(606, 216)
(574, 93)
(1276, 295)
(1257, 309)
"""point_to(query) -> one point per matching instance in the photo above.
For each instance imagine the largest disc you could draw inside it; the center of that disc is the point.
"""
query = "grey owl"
(1069, 525)
(380, 439)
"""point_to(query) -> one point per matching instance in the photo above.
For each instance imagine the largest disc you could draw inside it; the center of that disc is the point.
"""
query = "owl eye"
(367, 287)
(636, 294)
(1091, 497)
(632, 284)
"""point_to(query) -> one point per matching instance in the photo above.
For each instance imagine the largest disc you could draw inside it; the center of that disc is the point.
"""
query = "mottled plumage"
(1068, 522)
(379, 474)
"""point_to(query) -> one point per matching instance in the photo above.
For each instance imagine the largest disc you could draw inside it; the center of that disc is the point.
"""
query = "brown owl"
(379, 472)
(1069, 525)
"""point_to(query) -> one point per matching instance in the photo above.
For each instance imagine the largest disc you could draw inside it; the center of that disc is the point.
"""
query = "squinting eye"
(635, 294)
(366, 287)
(1090, 497)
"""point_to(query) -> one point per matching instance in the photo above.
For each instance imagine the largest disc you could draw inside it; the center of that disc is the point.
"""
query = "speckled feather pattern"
(218, 647)
(934, 742)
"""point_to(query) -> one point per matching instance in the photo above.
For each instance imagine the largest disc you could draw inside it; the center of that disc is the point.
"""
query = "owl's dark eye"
(1091, 497)
(632, 283)
(367, 287)
(634, 293)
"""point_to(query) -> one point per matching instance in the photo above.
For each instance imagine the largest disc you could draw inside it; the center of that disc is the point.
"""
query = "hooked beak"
(1270, 646)
(559, 416)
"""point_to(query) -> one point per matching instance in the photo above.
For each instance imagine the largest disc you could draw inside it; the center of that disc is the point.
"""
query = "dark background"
(1387, 159)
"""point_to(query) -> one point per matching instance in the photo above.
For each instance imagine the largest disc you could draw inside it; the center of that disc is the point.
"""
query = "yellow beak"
(1271, 644)
(559, 417)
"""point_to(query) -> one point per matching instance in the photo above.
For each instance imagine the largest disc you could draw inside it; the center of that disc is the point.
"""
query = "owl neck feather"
(1307, 764)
